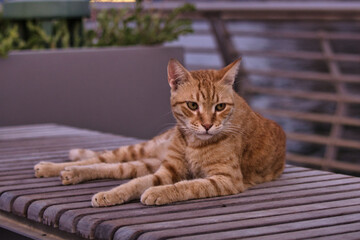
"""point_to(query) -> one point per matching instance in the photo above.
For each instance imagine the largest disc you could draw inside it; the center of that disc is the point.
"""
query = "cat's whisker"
(166, 114)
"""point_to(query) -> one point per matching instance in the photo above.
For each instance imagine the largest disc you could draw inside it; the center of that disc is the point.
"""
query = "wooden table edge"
(33, 230)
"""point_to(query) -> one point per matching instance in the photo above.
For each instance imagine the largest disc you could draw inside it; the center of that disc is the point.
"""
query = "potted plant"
(98, 85)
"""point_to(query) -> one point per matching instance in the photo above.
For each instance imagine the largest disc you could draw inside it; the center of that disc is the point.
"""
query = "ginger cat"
(218, 147)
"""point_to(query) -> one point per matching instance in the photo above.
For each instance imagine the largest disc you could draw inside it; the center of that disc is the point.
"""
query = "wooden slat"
(49, 183)
(28, 128)
(350, 98)
(26, 230)
(17, 172)
(300, 55)
(280, 54)
(303, 174)
(17, 177)
(296, 34)
(353, 233)
(9, 198)
(202, 50)
(254, 231)
(323, 140)
(62, 143)
(223, 39)
(197, 67)
(47, 133)
(294, 169)
(68, 220)
(317, 232)
(37, 208)
(336, 128)
(296, 158)
(304, 75)
(314, 117)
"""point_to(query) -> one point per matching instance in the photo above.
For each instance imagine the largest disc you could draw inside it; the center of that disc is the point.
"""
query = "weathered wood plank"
(292, 200)
(22, 203)
(35, 134)
(51, 214)
(247, 220)
(316, 233)
(295, 169)
(35, 158)
(353, 235)
(59, 149)
(45, 210)
(49, 183)
(17, 172)
(239, 228)
(26, 181)
(302, 174)
(62, 144)
(28, 128)
(18, 167)
(64, 151)
(309, 179)
(8, 198)
(87, 224)
(17, 177)
(69, 220)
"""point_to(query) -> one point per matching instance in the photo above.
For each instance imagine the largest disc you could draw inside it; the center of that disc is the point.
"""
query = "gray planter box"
(117, 90)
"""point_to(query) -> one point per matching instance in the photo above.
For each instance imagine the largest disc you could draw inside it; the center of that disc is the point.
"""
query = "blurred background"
(104, 67)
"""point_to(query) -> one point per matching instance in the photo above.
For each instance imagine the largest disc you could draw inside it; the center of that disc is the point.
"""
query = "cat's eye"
(192, 105)
(220, 107)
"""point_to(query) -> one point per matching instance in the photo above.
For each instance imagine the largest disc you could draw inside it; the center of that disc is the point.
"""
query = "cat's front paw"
(46, 169)
(106, 199)
(156, 196)
(70, 175)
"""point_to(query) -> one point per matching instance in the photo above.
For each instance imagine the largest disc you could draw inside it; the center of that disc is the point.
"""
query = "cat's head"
(202, 101)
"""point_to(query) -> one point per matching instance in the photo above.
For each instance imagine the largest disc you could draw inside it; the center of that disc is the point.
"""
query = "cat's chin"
(205, 136)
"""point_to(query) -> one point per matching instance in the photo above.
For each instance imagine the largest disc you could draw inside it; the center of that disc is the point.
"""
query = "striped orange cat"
(218, 147)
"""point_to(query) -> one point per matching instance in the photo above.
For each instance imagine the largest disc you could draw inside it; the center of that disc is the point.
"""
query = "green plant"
(38, 37)
(121, 27)
(9, 37)
(126, 27)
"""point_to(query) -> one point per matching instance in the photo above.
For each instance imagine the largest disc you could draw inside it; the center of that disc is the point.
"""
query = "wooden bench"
(303, 203)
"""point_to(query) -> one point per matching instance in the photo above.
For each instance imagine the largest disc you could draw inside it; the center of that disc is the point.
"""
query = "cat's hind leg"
(129, 153)
(51, 169)
(81, 154)
(76, 174)
(80, 158)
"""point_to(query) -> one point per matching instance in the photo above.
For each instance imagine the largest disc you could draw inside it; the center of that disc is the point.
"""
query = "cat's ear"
(177, 74)
(228, 73)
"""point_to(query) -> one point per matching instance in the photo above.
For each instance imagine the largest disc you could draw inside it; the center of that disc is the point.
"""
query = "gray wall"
(117, 90)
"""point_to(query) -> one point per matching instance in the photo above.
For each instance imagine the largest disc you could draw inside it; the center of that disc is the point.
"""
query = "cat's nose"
(207, 126)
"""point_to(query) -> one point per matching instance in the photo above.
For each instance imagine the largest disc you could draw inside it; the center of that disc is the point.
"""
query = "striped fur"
(208, 153)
